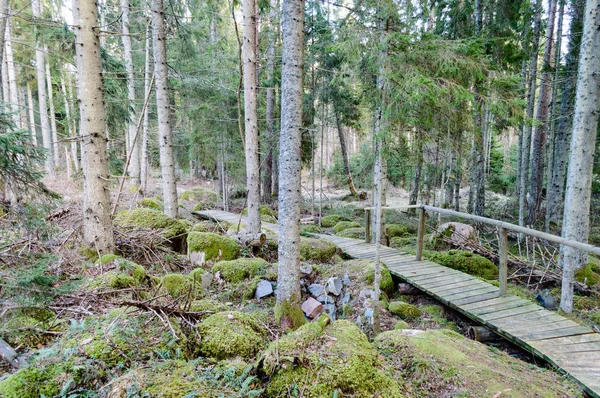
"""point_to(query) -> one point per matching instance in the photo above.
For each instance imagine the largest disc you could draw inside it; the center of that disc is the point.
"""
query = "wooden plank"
(525, 329)
(511, 312)
(492, 301)
(562, 332)
(470, 293)
(442, 275)
(457, 287)
(574, 339)
(549, 347)
(503, 259)
(500, 307)
(475, 299)
(406, 265)
(438, 279)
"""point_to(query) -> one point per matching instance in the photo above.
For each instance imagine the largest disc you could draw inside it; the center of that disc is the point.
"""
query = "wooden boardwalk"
(571, 347)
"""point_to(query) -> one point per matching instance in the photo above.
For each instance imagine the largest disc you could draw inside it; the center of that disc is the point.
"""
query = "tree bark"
(270, 106)
(97, 224)
(344, 149)
(30, 106)
(288, 281)
(12, 78)
(73, 155)
(3, 21)
(167, 162)
(40, 62)
(576, 221)
(251, 117)
(540, 130)
(53, 129)
(144, 165)
(416, 184)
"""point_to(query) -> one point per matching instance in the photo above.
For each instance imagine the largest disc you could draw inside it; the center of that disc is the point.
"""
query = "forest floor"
(180, 312)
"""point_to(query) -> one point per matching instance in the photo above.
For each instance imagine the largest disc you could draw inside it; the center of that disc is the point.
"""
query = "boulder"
(334, 286)
(213, 245)
(263, 289)
(312, 308)
(459, 234)
(316, 289)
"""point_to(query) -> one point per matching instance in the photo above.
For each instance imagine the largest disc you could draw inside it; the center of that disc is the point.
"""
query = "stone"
(366, 294)
(206, 280)
(460, 234)
(369, 315)
(330, 310)
(346, 298)
(316, 290)
(263, 289)
(359, 320)
(306, 269)
(325, 299)
(346, 280)
(334, 286)
(312, 308)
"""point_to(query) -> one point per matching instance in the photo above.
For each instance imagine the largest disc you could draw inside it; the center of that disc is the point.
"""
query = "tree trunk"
(40, 62)
(345, 153)
(73, 154)
(288, 312)
(53, 129)
(134, 147)
(144, 165)
(97, 224)
(540, 130)
(251, 117)
(3, 22)
(576, 221)
(167, 163)
(555, 194)
(270, 107)
(416, 185)
(12, 78)
(31, 115)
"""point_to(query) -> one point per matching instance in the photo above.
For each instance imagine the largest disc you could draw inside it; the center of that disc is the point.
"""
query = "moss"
(396, 230)
(588, 274)
(464, 261)
(204, 226)
(291, 315)
(177, 285)
(149, 218)
(595, 317)
(582, 303)
(20, 327)
(404, 310)
(151, 203)
(400, 325)
(325, 361)
(207, 305)
(107, 258)
(31, 382)
(213, 245)
(196, 274)
(398, 242)
(386, 283)
(342, 225)
(306, 230)
(88, 253)
(330, 221)
(231, 334)
(204, 198)
(121, 281)
(240, 269)
(354, 233)
(319, 250)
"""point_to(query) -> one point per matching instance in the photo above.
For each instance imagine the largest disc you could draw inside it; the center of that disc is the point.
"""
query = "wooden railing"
(503, 227)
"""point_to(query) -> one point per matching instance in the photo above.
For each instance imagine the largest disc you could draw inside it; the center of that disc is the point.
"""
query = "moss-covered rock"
(240, 269)
(172, 229)
(20, 327)
(396, 230)
(126, 274)
(386, 283)
(307, 229)
(33, 382)
(590, 275)
(151, 203)
(342, 225)
(213, 245)
(397, 242)
(354, 233)
(400, 325)
(203, 226)
(404, 310)
(327, 360)
(437, 361)
(230, 334)
(207, 304)
(319, 250)
(289, 314)
(204, 198)
(464, 261)
(330, 221)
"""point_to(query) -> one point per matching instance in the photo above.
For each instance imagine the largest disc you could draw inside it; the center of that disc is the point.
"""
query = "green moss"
(213, 245)
(319, 250)
(20, 327)
(291, 314)
(177, 285)
(396, 230)
(196, 274)
(240, 269)
(401, 325)
(354, 233)
(207, 305)
(32, 382)
(204, 198)
(121, 281)
(149, 218)
(307, 229)
(151, 203)
(230, 334)
(326, 361)
(330, 221)
(404, 310)
(398, 242)
(588, 274)
(464, 261)
(203, 226)
(595, 317)
(386, 283)
(107, 258)
(342, 225)
(583, 303)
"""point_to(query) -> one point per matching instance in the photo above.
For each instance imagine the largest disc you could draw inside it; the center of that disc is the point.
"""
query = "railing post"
(367, 225)
(420, 234)
(503, 260)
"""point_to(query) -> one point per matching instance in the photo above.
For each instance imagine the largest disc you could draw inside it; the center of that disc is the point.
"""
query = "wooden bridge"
(572, 348)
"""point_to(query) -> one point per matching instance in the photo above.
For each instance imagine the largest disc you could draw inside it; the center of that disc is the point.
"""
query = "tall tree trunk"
(78, 142)
(40, 62)
(72, 136)
(576, 221)
(5, 89)
(540, 130)
(161, 77)
(3, 22)
(144, 165)
(12, 78)
(555, 194)
(97, 224)
(251, 117)
(288, 312)
(53, 129)
(344, 149)
(134, 144)
(416, 184)
(30, 106)
(269, 111)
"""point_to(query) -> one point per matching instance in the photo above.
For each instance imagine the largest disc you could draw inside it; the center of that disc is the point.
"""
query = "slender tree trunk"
(12, 78)
(251, 117)
(134, 147)
(288, 312)
(522, 86)
(71, 160)
(40, 61)
(167, 163)
(344, 149)
(97, 224)
(5, 89)
(540, 131)
(576, 221)
(77, 139)
(416, 184)
(270, 106)
(30, 106)
(3, 21)
(144, 165)
(53, 129)
(555, 194)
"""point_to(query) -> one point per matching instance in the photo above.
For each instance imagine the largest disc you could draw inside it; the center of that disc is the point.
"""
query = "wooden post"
(421, 234)
(367, 225)
(502, 260)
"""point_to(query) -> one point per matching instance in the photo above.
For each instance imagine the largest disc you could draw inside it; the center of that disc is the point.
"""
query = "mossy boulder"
(590, 274)
(173, 230)
(213, 245)
(203, 226)
(464, 261)
(404, 310)
(125, 274)
(354, 233)
(400, 325)
(204, 198)
(386, 283)
(151, 203)
(327, 360)
(178, 285)
(342, 225)
(207, 304)
(34, 382)
(330, 221)
(307, 229)
(231, 334)
(397, 242)
(243, 268)
(441, 360)
(395, 230)
(319, 250)
(20, 327)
